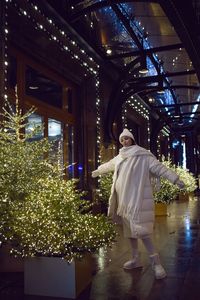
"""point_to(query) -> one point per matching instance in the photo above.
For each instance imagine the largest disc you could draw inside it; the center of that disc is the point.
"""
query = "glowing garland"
(60, 38)
(148, 133)
(98, 121)
(137, 106)
(158, 143)
(5, 59)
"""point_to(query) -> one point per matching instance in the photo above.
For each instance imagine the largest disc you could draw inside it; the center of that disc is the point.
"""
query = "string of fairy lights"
(135, 104)
(5, 51)
(64, 41)
(139, 107)
(164, 132)
(159, 148)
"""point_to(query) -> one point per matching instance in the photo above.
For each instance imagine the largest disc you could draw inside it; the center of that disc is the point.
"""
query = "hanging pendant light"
(160, 86)
(143, 65)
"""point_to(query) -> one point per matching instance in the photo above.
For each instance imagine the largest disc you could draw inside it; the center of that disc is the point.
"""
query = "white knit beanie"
(126, 132)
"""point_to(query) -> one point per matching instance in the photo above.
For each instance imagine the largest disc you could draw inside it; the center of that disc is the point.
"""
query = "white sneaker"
(159, 271)
(132, 264)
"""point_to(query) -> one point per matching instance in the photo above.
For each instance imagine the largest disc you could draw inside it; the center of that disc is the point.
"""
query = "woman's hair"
(133, 141)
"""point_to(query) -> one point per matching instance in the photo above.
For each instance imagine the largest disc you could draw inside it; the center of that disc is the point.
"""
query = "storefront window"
(52, 96)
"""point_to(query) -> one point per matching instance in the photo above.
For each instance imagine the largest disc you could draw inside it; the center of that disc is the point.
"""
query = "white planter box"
(54, 277)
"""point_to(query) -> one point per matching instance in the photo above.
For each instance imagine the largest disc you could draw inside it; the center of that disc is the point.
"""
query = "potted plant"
(44, 218)
(55, 223)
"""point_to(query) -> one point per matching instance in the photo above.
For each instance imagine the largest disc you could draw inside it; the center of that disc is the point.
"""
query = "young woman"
(131, 196)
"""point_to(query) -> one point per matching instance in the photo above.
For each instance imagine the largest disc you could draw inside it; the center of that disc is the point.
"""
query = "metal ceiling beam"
(146, 51)
(135, 38)
(156, 78)
(177, 121)
(143, 89)
(127, 25)
(177, 104)
(146, 79)
(159, 116)
(182, 73)
(189, 113)
(98, 5)
(183, 116)
(192, 87)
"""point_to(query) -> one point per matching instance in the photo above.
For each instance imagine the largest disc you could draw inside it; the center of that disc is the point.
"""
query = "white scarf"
(133, 187)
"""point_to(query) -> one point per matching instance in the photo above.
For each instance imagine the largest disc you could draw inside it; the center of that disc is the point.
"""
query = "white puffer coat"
(133, 200)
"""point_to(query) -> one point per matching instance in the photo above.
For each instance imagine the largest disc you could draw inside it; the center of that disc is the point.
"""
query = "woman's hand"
(95, 173)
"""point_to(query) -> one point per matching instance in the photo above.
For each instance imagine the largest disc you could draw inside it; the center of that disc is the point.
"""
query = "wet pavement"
(177, 238)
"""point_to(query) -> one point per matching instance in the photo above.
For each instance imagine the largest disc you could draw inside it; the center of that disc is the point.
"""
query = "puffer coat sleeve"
(108, 166)
(160, 170)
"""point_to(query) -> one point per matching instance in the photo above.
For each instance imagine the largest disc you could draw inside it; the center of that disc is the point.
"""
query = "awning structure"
(154, 48)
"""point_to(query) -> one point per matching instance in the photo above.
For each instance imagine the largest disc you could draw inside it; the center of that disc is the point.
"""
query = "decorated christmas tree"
(104, 190)
(167, 191)
(41, 213)
(188, 178)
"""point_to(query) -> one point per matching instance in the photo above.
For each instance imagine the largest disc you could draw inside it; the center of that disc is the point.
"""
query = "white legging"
(148, 243)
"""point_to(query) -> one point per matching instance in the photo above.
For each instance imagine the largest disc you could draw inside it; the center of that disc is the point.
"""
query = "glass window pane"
(55, 134)
(34, 121)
